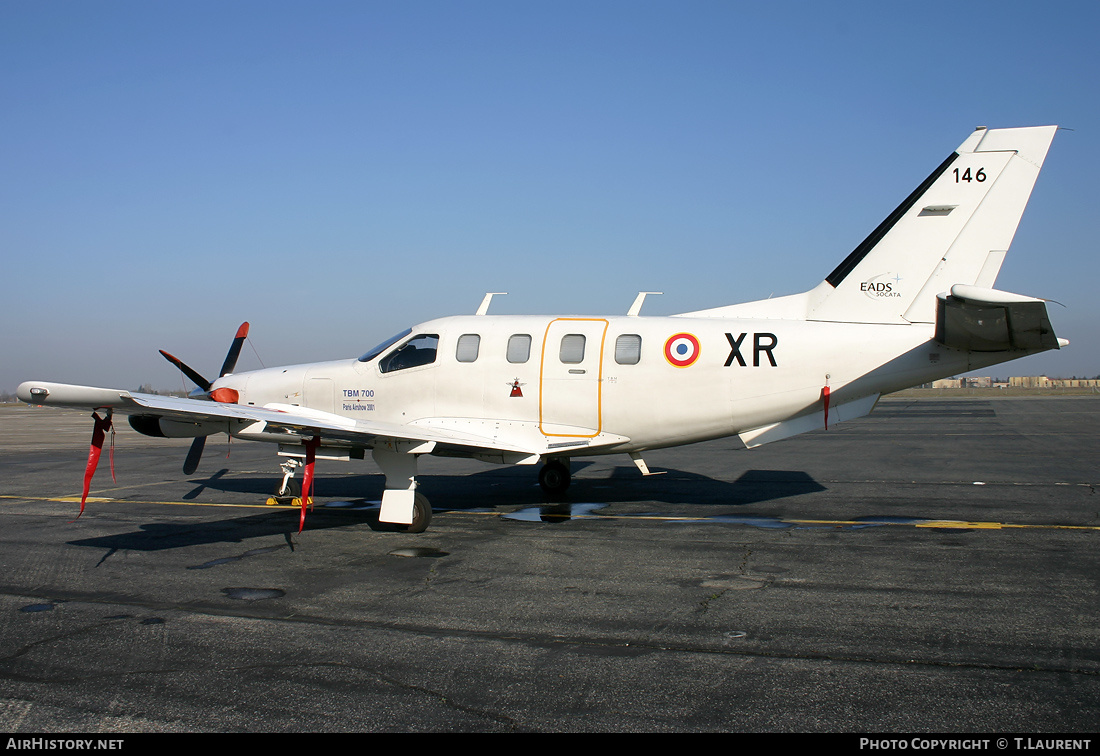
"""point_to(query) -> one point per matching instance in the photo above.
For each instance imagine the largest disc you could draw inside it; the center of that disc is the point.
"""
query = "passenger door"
(571, 377)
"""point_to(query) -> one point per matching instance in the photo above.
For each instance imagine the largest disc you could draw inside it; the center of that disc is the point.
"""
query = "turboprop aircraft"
(912, 303)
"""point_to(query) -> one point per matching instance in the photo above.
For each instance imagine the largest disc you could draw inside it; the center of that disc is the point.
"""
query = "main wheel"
(422, 514)
(554, 478)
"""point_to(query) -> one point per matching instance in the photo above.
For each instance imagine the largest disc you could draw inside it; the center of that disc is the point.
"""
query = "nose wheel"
(289, 487)
(554, 477)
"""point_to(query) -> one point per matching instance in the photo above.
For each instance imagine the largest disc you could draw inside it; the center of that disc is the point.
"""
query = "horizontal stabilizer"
(813, 421)
(974, 319)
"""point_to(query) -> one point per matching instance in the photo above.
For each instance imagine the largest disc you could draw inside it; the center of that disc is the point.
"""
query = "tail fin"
(954, 229)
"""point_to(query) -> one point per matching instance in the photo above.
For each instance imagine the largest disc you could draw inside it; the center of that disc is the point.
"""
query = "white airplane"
(911, 304)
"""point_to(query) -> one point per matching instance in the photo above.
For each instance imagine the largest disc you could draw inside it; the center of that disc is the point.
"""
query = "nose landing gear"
(288, 488)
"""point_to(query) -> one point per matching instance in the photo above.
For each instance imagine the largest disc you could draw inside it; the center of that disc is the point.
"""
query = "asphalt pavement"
(932, 567)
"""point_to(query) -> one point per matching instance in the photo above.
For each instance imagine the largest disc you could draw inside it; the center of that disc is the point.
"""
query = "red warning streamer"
(825, 401)
(311, 445)
(99, 432)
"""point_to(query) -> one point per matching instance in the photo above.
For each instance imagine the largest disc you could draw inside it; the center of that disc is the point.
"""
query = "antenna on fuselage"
(637, 306)
(484, 306)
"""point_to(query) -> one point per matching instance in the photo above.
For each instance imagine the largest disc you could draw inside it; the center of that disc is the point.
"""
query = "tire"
(292, 490)
(554, 478)
(422, 514)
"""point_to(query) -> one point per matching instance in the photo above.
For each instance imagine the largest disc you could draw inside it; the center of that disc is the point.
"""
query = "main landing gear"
(554, 477)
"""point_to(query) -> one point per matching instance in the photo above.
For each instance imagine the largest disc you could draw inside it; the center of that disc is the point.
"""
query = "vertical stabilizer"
(953, 229)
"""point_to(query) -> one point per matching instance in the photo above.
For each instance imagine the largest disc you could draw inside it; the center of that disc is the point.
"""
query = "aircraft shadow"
(679, 487)
(512, 486)
(281, 521)
(504, 489)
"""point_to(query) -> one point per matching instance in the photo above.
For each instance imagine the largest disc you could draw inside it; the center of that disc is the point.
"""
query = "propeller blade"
(234, 350)
(188, 371)
(194, 454)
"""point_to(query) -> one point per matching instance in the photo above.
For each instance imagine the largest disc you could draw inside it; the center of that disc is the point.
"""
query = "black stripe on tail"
(857, 255)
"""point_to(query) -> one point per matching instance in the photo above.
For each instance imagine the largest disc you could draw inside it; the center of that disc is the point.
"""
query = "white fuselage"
(633, 377)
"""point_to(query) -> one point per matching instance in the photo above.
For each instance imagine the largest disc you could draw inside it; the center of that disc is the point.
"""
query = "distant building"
(1041, 381)
(1017, 382)
(958, 383)
(1076, 383)
(1029, 381)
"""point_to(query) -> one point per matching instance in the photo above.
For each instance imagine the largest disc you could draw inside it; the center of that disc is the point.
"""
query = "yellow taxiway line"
(95, 499)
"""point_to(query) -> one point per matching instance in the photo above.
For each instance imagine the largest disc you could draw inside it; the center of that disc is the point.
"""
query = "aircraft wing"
(290, 424)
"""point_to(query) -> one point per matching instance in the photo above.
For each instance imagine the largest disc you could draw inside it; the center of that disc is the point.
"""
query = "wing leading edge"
(286, 423)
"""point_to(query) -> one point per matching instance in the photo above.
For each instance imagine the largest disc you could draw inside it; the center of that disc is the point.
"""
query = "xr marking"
(758, 345)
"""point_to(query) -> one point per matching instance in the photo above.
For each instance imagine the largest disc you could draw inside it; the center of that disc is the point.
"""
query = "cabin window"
(417, 351)
(628, 349)
(468, 344)
(519, 347)
(572, 348)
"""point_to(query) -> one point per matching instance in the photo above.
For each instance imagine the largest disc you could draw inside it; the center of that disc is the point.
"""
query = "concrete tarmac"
(933, 567)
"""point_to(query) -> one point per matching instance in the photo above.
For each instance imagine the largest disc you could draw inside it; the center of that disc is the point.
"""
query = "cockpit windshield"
(417, 351)
(370, 355)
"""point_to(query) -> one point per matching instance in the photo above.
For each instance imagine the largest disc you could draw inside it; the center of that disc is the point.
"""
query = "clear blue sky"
(334, 172)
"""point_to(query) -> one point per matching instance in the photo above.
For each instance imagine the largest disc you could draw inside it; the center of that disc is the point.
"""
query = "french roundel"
(682, 349)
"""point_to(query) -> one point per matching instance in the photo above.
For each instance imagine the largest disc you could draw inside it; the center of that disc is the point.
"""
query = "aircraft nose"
(228, 389)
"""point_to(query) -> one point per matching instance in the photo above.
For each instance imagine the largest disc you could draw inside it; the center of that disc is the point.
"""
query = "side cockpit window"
(419, 350)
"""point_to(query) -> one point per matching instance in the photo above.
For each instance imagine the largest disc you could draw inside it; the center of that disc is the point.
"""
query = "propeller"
(234, 350)
(194, 454)
(190, 372)
(227, 366)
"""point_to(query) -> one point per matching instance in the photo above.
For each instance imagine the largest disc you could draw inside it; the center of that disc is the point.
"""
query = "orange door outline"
(599, 377)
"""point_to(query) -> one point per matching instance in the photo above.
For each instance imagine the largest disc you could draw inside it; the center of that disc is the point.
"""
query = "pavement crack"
(448, 701)
(22, 651)
(704, 605)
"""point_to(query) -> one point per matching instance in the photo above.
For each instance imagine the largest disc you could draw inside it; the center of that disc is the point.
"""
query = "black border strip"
(857, 255)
